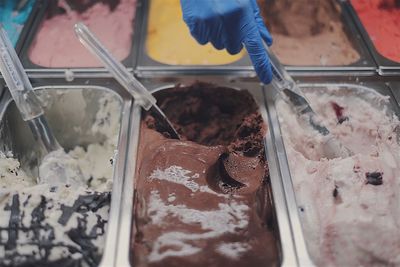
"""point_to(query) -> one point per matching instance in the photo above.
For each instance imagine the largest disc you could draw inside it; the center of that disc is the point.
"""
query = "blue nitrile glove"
(230, 24)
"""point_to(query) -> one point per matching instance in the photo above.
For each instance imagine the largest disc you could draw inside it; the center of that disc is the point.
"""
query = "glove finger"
(266, 36)
(217, 36)
(258, 55)
(217, 44)
(194, 22)
(233, 47)
(230, 33)
(199, 32)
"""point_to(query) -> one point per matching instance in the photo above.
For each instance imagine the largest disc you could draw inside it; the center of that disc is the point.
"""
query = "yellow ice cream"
(169, 40)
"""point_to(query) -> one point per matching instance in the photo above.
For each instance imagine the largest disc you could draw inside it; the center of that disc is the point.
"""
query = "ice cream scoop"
(288, 89)
(141, 95)
(58, 166)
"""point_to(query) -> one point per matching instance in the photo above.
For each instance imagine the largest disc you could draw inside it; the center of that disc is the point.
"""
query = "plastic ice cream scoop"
(121, 74)
(288, 89)
(57, 162)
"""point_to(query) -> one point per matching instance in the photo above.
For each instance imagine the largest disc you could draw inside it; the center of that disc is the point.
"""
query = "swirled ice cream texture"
(56, 223)
(203, 200)
(349, 207)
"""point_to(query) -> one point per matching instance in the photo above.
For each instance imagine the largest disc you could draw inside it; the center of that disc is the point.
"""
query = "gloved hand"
(230, 24)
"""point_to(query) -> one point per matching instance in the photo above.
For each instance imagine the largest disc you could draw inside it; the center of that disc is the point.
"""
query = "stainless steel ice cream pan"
(123, 257)
(297, 211)
(385, 65)
(145, 63)
(34, 29)
(72, 112)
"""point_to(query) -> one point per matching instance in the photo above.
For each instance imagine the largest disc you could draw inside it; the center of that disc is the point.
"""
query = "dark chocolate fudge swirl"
(42, 245)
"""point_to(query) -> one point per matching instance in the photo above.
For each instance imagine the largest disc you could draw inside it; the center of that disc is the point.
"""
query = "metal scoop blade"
(288, 89)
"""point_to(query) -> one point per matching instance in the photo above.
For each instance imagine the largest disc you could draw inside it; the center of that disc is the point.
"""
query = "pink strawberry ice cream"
(57, 46)
(349, 207)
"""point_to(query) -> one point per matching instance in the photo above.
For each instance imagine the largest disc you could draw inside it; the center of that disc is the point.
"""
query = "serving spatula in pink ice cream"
(291, 93)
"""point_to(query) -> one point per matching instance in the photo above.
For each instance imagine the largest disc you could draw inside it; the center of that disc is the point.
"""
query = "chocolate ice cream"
(204, 200)
(308, 32)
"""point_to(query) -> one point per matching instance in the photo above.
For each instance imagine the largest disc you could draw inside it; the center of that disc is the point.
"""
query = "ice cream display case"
(247, 184)
(47, 225)
(283, 205)
(335, 45)
(343, 211)
(186, 207)
(378, 22)
(51, 45)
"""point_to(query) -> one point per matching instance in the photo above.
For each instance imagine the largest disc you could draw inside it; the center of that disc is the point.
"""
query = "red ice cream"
(382, 22)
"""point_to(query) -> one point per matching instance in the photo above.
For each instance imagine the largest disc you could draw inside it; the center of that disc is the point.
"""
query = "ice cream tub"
(316, 35)
(165, 43)
(150, 241)
(16, 18)
(158, 51)
(333, 203)
(386, 64)
(44, 224)
(52, 45)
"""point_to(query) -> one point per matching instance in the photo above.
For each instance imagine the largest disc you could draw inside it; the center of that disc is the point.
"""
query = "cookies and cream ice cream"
(53, 224)
(349, 207)
(204, 200)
